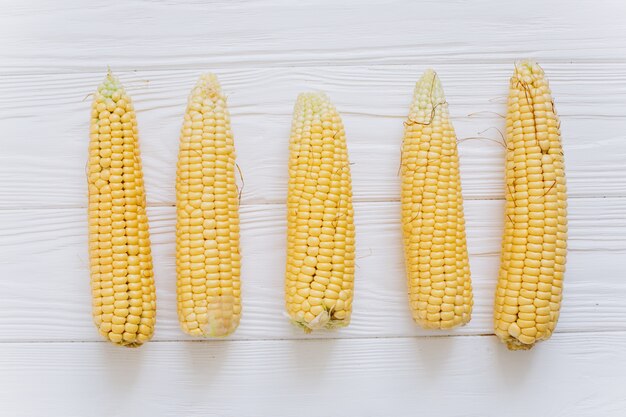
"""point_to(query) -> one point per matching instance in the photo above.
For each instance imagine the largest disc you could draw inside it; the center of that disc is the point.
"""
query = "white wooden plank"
(45, 285)
(44, 121)
(148, 35)
(572, 375)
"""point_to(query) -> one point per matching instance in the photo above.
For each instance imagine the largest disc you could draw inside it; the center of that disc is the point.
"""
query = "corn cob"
(528, 296)
(320, 227)
(433, 225)
(207, 225)
(124, 299)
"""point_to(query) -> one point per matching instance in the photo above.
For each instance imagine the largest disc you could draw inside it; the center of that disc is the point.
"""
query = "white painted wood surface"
(366, 55)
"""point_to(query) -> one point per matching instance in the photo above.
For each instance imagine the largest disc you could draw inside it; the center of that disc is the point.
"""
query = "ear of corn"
(528, 296)
(320, 236)
(124, 300)
(433, 225)
(207, 222)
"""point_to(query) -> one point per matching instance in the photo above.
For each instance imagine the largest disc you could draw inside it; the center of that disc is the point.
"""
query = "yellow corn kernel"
(122, 280)
(320, 225)
(535, 181)
(207, 226)
(440, 291)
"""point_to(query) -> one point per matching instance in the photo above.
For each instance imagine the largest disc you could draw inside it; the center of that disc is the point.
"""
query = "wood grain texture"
(44, 253)
(172, 34)
(50, 113)
(450, 376)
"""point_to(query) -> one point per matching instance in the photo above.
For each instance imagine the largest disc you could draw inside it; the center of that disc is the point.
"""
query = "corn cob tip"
(111, 78)
(209, 84)
(315, 98)
(429, 74)
(312, 94)
(430, 77)
(428, 95)
(110, 85)
(527, 68)
(527, 63)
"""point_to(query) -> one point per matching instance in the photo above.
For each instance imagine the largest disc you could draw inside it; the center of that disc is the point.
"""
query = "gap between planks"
(312, 338)
(229, 66)
(283, 203)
